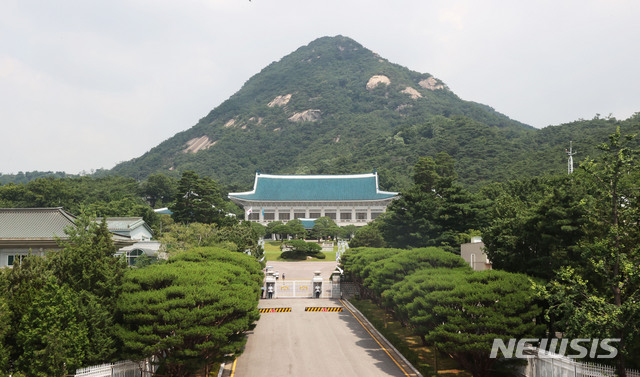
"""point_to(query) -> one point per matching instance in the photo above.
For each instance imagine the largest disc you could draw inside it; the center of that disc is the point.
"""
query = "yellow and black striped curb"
(322, 309)
(274, 310)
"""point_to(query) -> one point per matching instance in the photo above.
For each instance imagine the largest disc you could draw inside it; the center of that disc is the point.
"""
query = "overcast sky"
(87, 84)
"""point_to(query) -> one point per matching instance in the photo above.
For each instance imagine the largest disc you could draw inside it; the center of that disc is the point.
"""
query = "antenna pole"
(570, 153)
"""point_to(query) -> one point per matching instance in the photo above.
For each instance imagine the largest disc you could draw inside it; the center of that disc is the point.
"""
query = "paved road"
(312, 344)
(303, 270)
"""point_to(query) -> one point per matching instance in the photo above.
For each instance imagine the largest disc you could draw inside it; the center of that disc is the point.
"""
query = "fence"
(304, 289)
(120, 369)
(545, 364)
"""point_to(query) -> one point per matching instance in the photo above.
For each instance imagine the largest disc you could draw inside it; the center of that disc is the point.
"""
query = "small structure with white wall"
(473, 253)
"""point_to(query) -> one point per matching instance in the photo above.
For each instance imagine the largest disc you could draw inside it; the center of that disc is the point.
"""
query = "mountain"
(335, 107)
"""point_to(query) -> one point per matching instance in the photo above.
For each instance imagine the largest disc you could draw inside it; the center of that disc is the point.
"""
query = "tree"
(382, 274)
(191, 311)
(600, 297)
(271, 227)
(52, 335)
(300, 249)
(324, 227)
(367, 236)
(244, 236)
(282, 230)
(87, 265)
(536, 224)
(199, 200)
(5, 323)
(241, 237)
(434, 212)
(158, 189)
(462, 312)
(296, 229)
(25, 281)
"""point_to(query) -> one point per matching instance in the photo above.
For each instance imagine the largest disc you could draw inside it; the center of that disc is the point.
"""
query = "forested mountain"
(335, 107)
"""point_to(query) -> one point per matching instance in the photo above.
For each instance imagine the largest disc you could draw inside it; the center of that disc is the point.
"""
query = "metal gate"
(303, 289)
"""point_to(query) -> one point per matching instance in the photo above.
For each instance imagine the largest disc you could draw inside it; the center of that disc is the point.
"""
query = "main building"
(346, 199)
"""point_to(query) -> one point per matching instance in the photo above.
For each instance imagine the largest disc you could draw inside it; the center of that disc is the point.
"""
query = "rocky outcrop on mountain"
(198, 144)
(376, 80)
(311, 115)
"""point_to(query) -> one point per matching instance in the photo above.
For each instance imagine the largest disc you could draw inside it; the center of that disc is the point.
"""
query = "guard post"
(316, 283)
(270, 282)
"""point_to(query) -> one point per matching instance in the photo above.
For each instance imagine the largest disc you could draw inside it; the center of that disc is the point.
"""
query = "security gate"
(303, 289)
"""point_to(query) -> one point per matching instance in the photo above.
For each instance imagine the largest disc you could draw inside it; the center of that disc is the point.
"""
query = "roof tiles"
(315, 188)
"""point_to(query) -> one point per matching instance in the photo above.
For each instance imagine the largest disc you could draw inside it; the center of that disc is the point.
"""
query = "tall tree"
(600, 297)
(435, 211)
(158, 189)
(5, 322)
(367, 236)
(52, 335)
(536, 225)
(87, 265)
(199, 200)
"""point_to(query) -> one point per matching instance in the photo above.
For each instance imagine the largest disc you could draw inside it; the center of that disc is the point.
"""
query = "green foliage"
(86, 264)
(5, 322)
(434, 212)
(445, 303)
(465, 312)
(300, 249)
(240, 237)
(600, 295)
(61, 307)
(98, 197)
(158, 189)
(367, 236)
(52, 335)
(199, 200)
(191, 311)
(536, 224)
(324, 227)
(382, 274)
(296, 229)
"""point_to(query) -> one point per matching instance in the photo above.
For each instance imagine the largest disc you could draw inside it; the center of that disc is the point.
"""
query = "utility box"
(270, 282)
(316, 283)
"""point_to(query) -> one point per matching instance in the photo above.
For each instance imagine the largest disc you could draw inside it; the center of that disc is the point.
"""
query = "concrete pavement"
(314, 344)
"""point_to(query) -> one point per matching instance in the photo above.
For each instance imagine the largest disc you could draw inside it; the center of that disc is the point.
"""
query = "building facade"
(473, 253)
(353, 199)
(35, 231)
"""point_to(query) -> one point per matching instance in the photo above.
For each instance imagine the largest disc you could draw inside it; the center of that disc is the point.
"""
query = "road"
(312, 344)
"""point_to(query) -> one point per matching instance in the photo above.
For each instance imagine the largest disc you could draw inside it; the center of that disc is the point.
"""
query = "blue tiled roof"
(315, 187)
(308, 223)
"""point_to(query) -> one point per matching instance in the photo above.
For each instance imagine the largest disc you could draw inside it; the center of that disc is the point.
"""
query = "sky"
(85, 85)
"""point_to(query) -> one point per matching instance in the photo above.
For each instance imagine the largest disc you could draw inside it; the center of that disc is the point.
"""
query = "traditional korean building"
(346, 199)
(35, 231)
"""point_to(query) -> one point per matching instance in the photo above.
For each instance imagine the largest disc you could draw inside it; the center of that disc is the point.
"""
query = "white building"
(346, 199)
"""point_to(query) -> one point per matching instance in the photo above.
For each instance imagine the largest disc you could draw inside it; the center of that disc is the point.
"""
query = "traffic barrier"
(322, 309)
(274, 310)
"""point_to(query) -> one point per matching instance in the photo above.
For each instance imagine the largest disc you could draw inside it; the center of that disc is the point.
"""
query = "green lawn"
(424, 358)
(272, 253)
